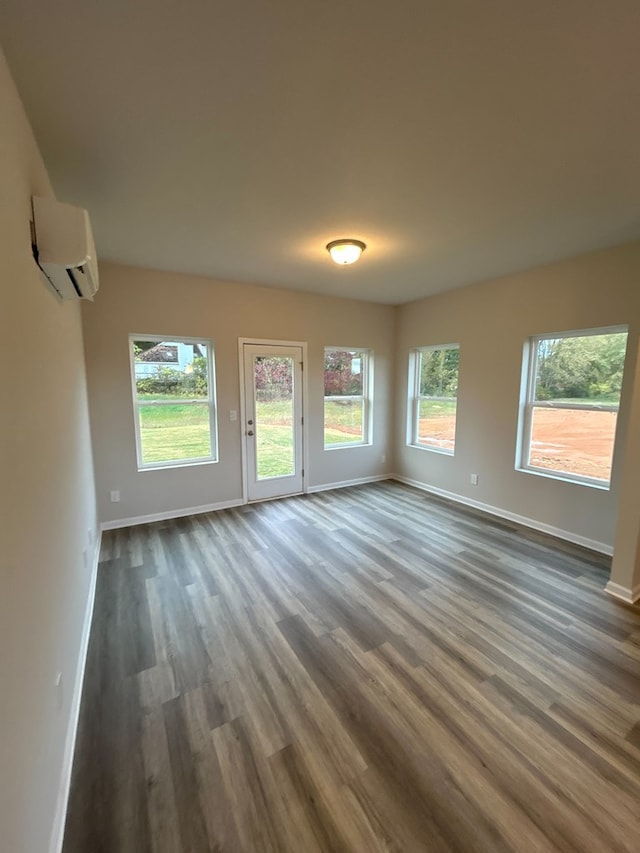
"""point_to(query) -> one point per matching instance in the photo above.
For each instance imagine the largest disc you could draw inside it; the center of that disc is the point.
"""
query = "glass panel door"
(273, 411)
(274, 426)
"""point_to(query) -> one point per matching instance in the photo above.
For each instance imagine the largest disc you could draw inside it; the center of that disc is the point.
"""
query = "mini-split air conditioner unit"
(64, 248)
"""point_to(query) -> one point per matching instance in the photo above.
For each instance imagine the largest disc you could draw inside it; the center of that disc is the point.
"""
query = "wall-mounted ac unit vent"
(64, 248)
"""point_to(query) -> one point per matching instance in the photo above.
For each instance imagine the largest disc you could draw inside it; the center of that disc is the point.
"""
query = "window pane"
(171, 433)
(343, 421)
(573, 441)
(437, 424)
(345, 376)
(273, 377)
(343, 373)
(168, 370)
(435, 401)
(439, 372)
(586, 368)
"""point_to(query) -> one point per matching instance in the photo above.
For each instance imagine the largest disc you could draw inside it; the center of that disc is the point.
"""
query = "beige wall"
(48, 511)
(147, 302)
(491, 321)
(48, 503)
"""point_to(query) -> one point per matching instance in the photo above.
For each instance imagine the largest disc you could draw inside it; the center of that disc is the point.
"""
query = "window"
(571, 394)
(346, 397)
(432, 409)
(174, 401)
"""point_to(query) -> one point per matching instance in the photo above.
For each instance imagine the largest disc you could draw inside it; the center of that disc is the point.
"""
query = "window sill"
(600, 485)
(347, 446)
(164, 466)
(442, 450)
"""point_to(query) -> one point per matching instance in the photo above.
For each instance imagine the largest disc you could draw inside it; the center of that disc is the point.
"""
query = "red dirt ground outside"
(575, 442)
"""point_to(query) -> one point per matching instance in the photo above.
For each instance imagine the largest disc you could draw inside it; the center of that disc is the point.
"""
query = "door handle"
(250, 432)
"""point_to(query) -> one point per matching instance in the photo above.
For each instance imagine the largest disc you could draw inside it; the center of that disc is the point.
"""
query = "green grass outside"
(274, 457)
(174, 433)
(178, 432)
(275, 452)
(437, 424)
(603, 400)
(342, 422)
(437, 408)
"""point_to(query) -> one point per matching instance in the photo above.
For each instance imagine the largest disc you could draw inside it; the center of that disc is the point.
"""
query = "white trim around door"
(256, 487)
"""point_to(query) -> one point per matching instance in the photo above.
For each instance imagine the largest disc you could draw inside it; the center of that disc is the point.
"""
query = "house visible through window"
(432, 409)
(346, 397)
(158, 353)
(174, 401)
(571, 395)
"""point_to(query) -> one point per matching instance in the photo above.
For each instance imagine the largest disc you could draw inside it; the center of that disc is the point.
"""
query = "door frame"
(305, 408)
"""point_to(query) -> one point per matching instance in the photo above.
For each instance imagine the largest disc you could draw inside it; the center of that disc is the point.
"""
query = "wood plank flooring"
(370, 669)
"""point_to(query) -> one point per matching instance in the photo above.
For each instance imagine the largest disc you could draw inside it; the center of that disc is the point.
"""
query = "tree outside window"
(435, 397)
(571, 402)
(174, 401)
(346, 397)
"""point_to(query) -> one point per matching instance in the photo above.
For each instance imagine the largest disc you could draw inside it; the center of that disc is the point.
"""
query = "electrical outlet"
(474, 479)
(115, 497)
(383, 458)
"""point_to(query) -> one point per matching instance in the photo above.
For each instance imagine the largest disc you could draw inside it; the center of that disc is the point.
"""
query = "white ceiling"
(461, 140)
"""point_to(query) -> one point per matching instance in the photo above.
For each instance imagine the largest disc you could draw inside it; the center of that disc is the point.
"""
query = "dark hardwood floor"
(370, 669)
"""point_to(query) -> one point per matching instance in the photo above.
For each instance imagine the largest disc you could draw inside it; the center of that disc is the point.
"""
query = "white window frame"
(415, 398)
(528, 404)
(367, 385)
(210, 401)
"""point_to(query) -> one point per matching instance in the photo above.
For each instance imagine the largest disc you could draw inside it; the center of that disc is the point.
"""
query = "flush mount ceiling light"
(345, 251)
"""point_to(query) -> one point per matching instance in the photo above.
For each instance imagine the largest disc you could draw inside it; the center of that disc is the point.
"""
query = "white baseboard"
(567, 535)
(196, 510)
(630, 596)
(343, 484)
(57, 833)
(172, 513)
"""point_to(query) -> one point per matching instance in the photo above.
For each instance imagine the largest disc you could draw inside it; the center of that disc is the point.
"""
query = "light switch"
(233, 415)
